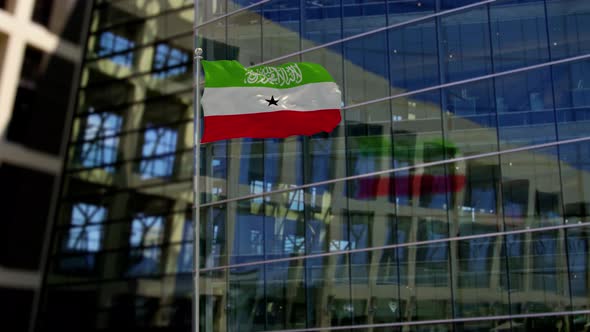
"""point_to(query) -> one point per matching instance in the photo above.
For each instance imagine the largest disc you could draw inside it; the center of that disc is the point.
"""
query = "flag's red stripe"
(269, 125)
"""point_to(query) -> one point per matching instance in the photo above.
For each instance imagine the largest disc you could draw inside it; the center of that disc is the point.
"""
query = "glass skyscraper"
(453, 196)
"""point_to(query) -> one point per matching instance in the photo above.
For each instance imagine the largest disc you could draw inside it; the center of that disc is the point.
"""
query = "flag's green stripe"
(226, 73)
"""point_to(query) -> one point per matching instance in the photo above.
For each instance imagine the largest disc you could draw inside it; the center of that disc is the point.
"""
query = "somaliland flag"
(268, 102)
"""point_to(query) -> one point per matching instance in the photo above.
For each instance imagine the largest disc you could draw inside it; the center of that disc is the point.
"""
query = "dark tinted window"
(25, 200)
(16, 305)
(41, 102)
(42, 11)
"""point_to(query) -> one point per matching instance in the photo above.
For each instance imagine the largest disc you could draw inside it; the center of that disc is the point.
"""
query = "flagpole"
(196, 191)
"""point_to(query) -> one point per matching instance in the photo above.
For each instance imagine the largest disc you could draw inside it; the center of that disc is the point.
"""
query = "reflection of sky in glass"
(169, 57)
(185, 257)
(111, 43)
(85, 234)
(158, 141)
(100, 151)
(146, 230)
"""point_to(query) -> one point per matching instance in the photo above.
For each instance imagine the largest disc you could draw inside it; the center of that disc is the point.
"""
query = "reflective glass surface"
(447, 199)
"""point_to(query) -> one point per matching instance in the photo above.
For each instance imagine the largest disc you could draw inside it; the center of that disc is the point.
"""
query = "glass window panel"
(213, 236)
(147, 235)
(177, 222)
(116, 12)
(244, 31)
(572, 98)
(321, 23)
(209, 9)
(525, 109)
(375, 290)
(100, 146)
(405, 10)
(417, 129)
(328, 291)
(113, 180)
(119, 92)
(215, 166)
(97, 148)
(61, 302)
(285, 295)
(365, 69)
(109, 43)
(450, 4)
(158, 147)
(280, 28)
(569, 28)
(369, 150)
(170, 61)
(285, 225)
(245, 230)
(413, 57)
(465, 45)
(118, 38)
(213, 41)
(132, 89)
(575, 165)
(325, 219)
(475, 199)
(172, 57)
(362, 16)
(246, 302)
(531, 189)
(84, 236)
(578, 256)
(519, 34)
(330, 58)
(470, 119)
(214, 295)
(537, 277)
(427, 295)
(479, 267)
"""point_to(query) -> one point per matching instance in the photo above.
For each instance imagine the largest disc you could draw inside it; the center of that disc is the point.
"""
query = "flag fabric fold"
(267, 101)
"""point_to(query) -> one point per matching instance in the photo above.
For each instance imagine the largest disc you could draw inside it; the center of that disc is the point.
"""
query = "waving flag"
(268, 102)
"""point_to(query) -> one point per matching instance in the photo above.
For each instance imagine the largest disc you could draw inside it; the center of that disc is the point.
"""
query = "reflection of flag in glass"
(372, 148)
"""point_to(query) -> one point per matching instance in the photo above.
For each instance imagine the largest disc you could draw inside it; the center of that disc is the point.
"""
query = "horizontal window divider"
(128, 161)
(120, 221)
(138, 20)
(161, 182)
(164, 245)
(92, 280)
(237, 11)
(138, 47)
(353, 37)
(399, 169)
(73, 143)
(471, 80)
(466, 81)
(440, 321)
(140, 74)
(122, 106)
(527, 230)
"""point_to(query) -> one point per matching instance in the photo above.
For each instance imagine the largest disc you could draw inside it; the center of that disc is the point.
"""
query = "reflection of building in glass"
(487, 241)
(40, 57)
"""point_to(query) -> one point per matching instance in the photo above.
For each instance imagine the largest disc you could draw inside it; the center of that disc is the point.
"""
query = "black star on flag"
(272, 101)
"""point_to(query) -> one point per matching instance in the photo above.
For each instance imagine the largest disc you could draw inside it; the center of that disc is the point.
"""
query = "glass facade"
(479, 109)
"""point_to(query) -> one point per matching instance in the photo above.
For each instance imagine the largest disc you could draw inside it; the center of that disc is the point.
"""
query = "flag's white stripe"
(249, 100)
